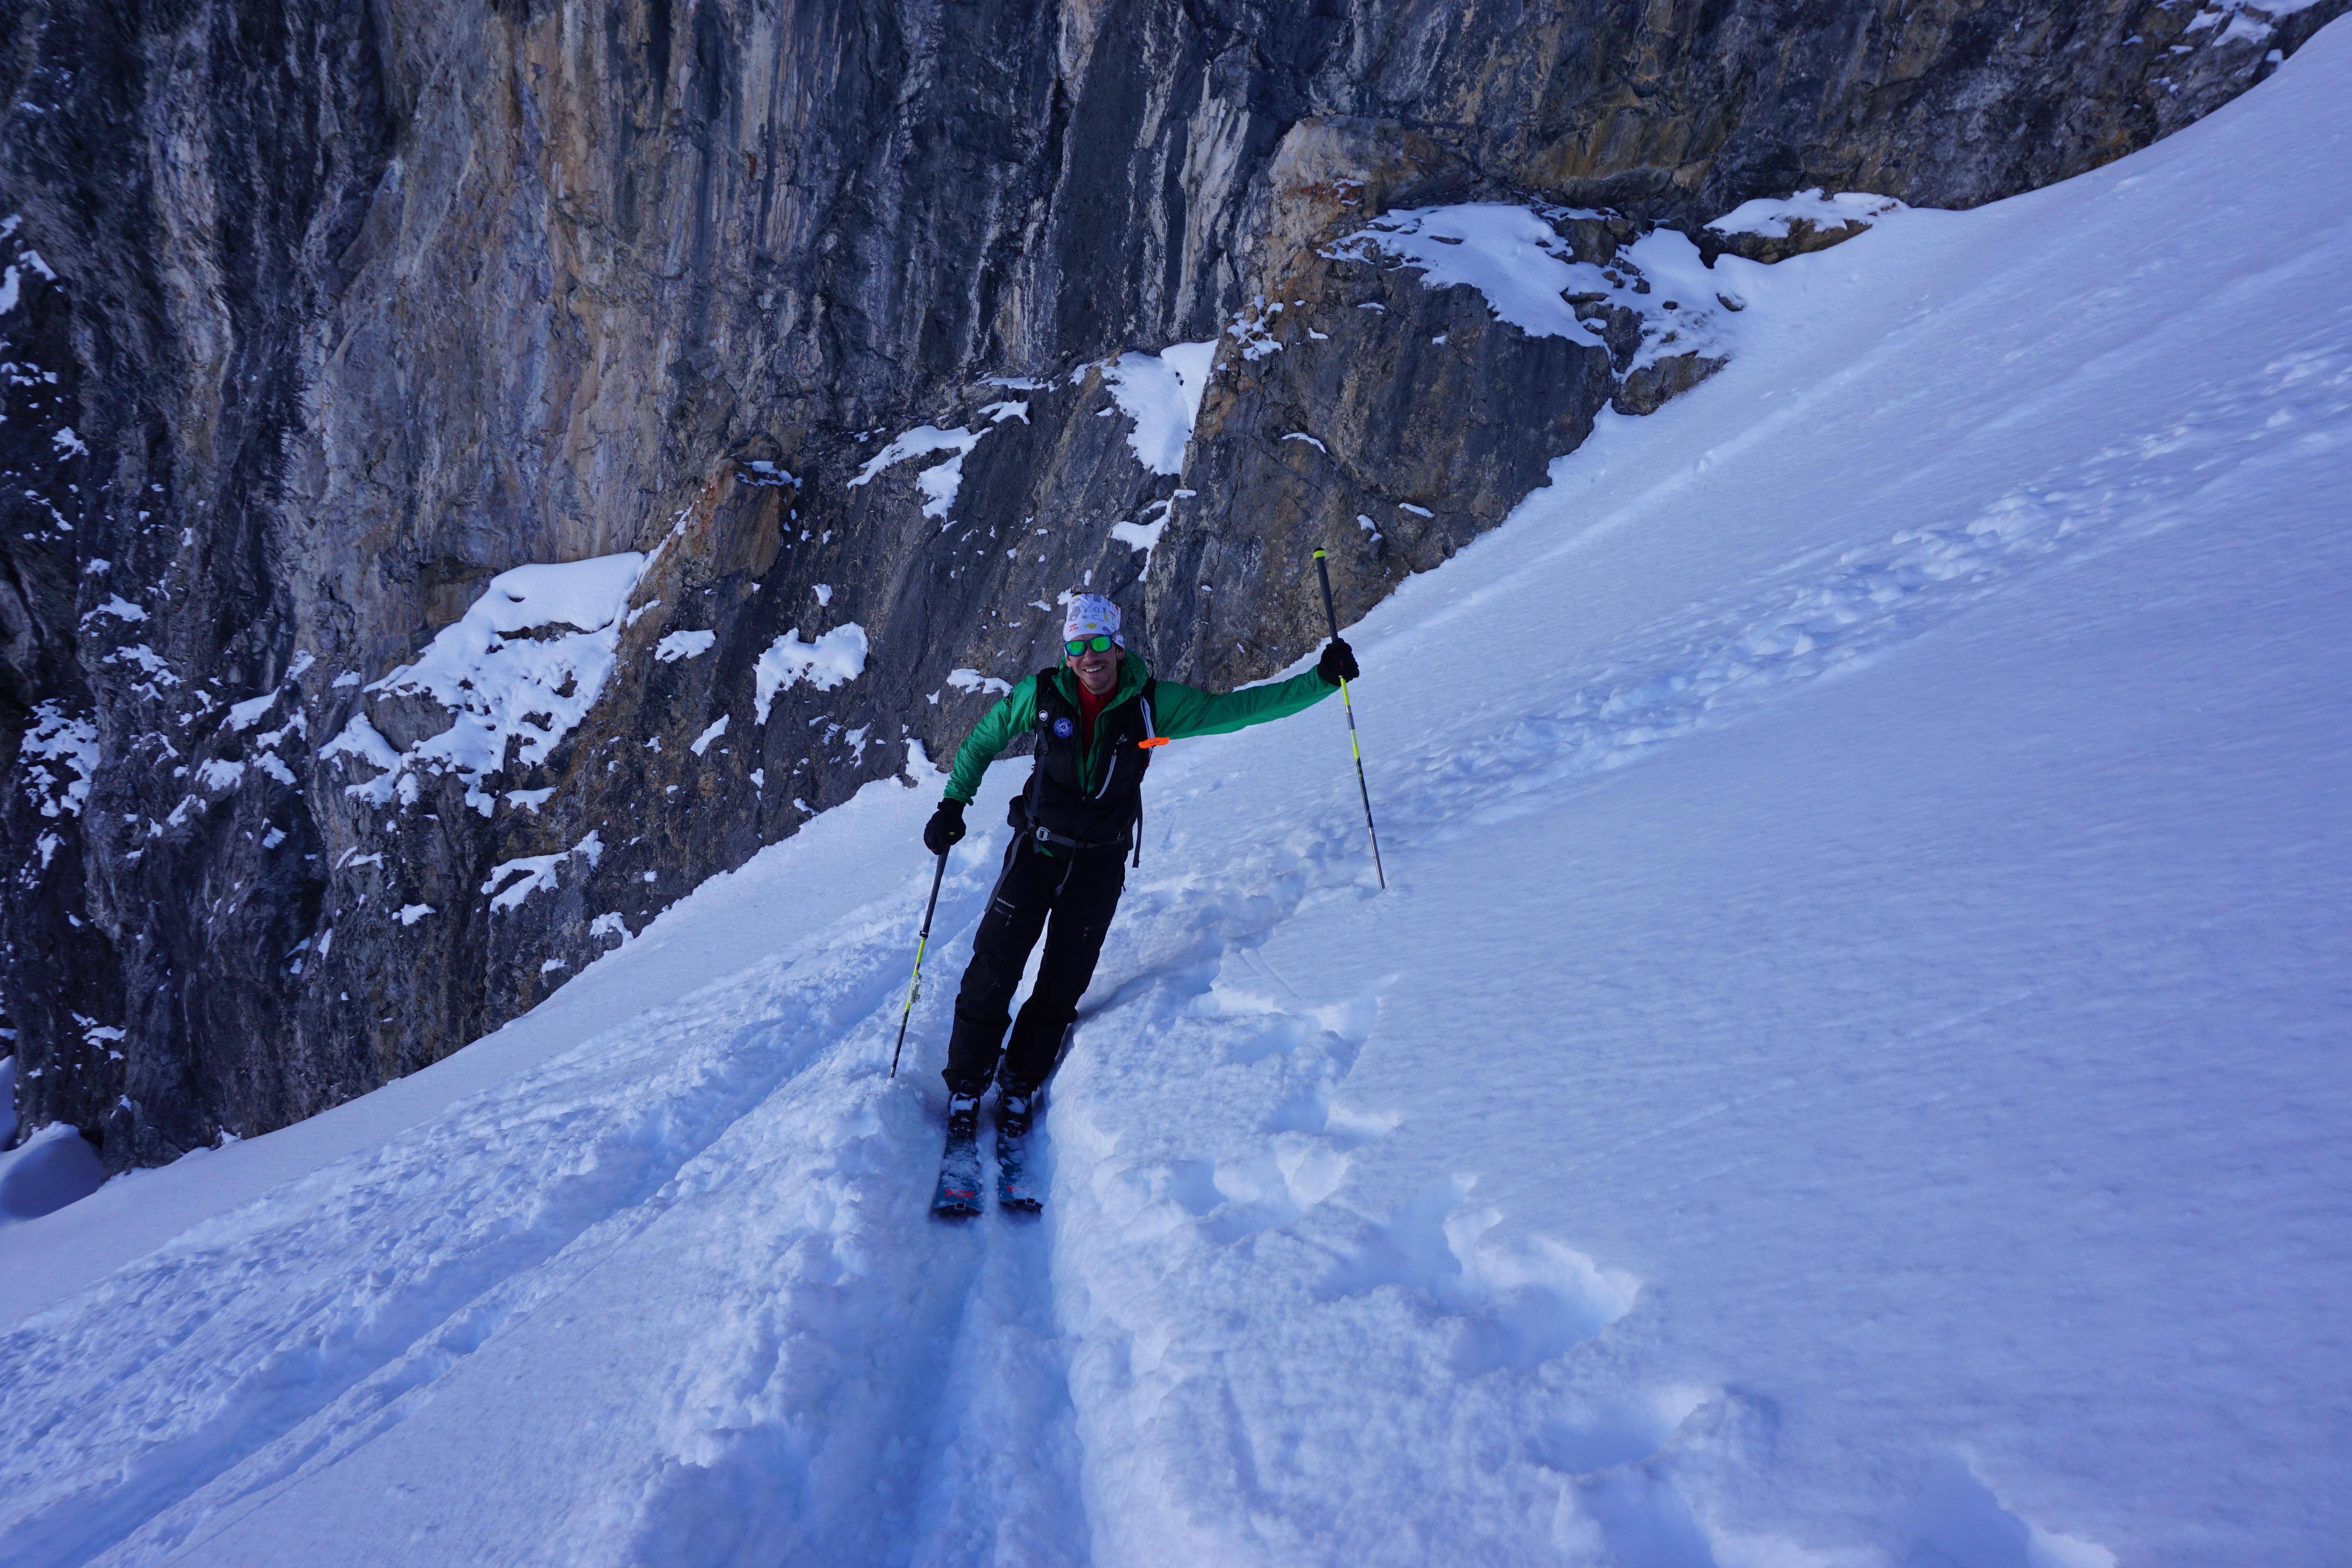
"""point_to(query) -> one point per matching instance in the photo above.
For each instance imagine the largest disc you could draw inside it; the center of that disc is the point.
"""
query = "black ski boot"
(1015, 1192)
(958, 1194)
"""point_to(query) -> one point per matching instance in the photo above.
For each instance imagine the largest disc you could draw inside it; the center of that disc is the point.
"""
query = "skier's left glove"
(945, 827)
(1338, 663)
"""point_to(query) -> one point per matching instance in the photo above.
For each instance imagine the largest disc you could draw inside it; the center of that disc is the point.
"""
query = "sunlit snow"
(1849, 1067)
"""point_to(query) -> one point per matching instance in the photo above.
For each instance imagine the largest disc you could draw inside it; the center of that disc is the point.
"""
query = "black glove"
(1338, 663)
(941, 833)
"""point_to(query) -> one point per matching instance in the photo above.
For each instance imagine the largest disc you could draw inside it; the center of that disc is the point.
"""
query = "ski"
(1014, 1191)
(958, 1193)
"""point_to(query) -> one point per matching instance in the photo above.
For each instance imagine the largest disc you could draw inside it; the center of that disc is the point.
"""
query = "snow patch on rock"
(683, 644)
(1529, 273)
(1770, 216)
(938, 484)
(520, 671)
(512, 881)
(833, 659)
(60, 754)
(1161, 394)
(1141, 536)
(972, 680)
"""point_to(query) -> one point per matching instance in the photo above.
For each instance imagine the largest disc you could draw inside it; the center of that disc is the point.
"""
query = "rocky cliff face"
(824, 344)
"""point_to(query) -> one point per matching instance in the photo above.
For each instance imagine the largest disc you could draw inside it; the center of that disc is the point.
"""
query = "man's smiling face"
(1096, 669)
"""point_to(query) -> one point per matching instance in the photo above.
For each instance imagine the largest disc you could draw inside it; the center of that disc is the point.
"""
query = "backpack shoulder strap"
(1144, 701)
(1051, 703)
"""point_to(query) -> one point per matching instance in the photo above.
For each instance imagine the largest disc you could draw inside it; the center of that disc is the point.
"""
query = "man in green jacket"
(1097, 721)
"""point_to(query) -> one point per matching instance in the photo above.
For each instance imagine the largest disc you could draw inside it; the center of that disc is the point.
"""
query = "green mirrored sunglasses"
(1077, 645)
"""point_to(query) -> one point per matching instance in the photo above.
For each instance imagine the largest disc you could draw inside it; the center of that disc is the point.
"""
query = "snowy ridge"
(1852, 999)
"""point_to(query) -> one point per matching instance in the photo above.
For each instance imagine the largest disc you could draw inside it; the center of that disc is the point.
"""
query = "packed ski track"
(1845, 1071)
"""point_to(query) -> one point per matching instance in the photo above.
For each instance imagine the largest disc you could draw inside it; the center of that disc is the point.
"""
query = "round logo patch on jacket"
(1064, 728)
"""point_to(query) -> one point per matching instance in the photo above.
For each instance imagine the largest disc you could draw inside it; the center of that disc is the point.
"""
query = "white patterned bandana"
(1091, 615)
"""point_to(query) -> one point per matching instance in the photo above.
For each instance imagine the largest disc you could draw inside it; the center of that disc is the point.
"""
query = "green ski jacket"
(1178, 711)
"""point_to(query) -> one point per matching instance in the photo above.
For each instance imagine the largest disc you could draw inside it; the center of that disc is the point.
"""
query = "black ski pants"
(1069, 898)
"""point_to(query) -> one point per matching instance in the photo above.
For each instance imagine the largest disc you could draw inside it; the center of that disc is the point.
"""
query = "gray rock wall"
(356, 308)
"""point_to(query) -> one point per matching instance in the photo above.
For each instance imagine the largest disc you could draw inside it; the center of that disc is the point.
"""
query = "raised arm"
(1183, 710)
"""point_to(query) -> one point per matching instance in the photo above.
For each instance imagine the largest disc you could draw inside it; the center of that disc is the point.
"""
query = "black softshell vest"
(1076, 820)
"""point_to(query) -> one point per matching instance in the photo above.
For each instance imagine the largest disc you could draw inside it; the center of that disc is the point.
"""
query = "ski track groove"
(301, 1403)
(326, 1331)
(137, 1454)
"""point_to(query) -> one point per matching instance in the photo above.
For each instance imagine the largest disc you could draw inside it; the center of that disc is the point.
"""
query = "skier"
(1097, 719)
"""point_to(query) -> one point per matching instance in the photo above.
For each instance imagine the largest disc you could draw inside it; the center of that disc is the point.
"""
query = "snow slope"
(1850, 1069)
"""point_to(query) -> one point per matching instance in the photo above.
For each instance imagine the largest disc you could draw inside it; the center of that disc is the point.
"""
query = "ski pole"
(1323, 570)
(915, 986)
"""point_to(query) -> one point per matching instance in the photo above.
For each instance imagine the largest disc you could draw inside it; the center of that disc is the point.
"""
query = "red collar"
(1089, 705)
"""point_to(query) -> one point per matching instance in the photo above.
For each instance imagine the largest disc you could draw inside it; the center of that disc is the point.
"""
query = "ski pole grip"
(1323, 570)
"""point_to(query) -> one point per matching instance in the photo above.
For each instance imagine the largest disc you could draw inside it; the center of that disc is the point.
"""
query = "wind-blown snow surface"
(1850, 1069)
